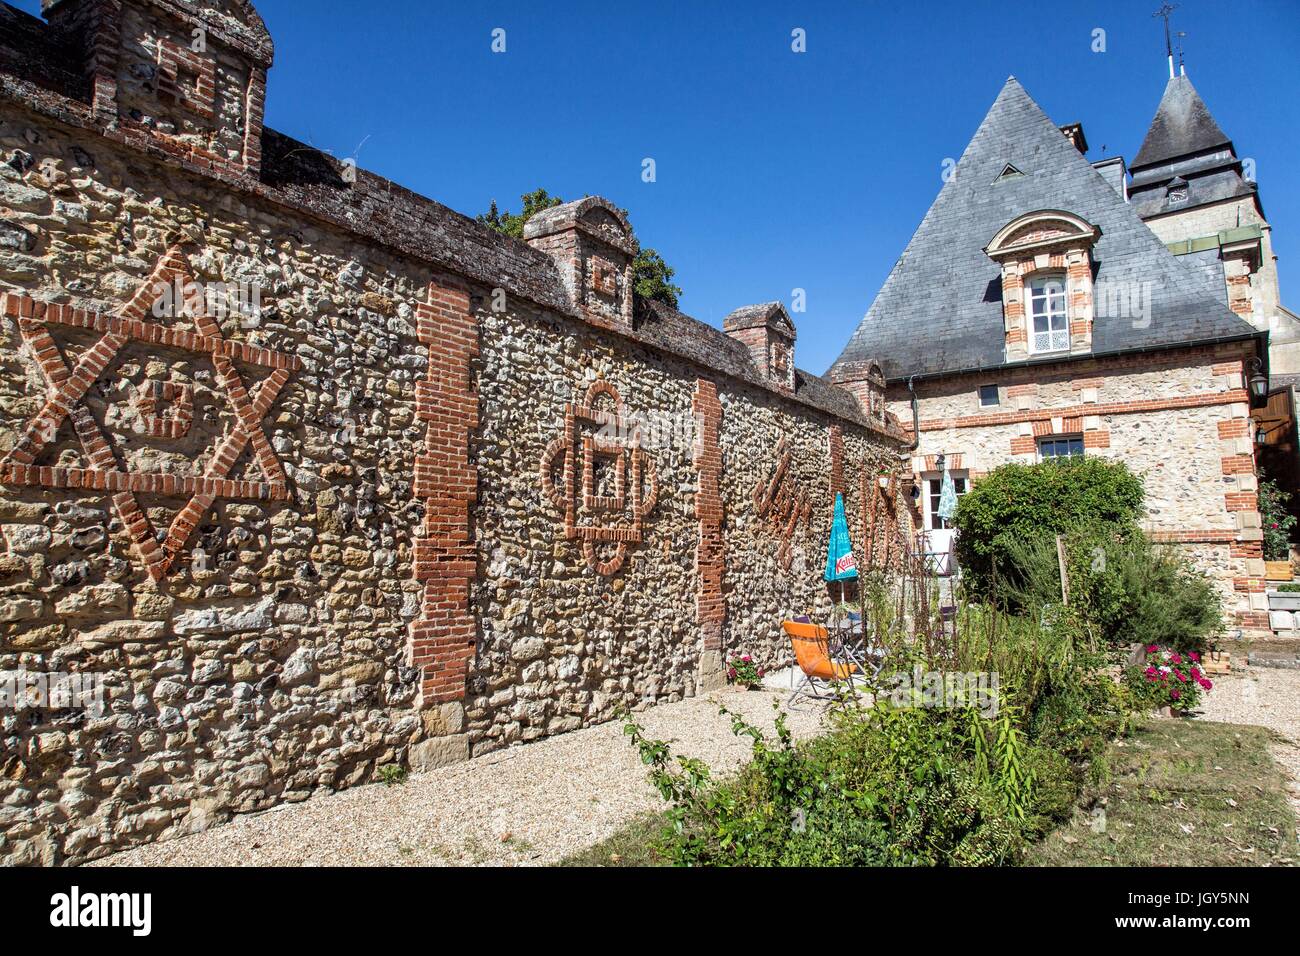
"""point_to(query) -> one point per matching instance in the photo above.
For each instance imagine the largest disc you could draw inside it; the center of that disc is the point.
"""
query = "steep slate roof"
(940, 310)
(1182, 125)
(1185, 145)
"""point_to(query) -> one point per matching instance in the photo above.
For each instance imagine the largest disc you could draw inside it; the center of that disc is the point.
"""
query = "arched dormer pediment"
(1044, 230)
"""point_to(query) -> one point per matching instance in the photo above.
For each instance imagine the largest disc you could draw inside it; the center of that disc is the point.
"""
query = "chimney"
(768, 333)
(1074, 133)
(866, 381)
(592, 245)
(153, 68)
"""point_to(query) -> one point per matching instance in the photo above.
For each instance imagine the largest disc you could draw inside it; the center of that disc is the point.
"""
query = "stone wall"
(316, 476)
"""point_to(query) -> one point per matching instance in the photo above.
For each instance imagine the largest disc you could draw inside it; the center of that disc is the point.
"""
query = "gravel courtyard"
(529, 805)
(535, 804)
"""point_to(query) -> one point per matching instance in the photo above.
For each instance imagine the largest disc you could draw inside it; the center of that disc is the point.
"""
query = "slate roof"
(940, 309)
(1185, 145)
(1182, 125)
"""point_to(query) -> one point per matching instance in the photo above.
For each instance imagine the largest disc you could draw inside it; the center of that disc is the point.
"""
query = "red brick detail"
(166, 408)
(1234, 428)
(1023, 445)
(188, 77)
(254, 116)
(1205, 400)
(1247, 549)
(1226, 368)
(1015, 391)
(1253, 620)
(1096, 439)
(837, 461)
(1241, 501)
(1201, 536)
(621, 518)
(952, 462)
(1251, 585)
(1079, 384)
(67, 388)
(1238, 464)
(444, 559)
(782, 504)
(710, 550)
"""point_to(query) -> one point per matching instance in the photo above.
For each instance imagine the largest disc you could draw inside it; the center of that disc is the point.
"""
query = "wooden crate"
(1217, 662)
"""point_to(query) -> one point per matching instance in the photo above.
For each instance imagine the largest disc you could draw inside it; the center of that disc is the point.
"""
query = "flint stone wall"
(272, 656)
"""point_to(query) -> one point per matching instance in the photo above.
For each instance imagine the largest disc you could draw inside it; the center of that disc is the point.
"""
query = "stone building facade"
(312, 475)
(1035, 313)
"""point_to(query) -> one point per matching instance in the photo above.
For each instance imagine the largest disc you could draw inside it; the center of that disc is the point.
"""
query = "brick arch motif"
(574, 453)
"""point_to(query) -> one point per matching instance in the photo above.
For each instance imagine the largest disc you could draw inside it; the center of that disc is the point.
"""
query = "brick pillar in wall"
(837, 462)
(1241, 501)
(710, 549)
(446, 480)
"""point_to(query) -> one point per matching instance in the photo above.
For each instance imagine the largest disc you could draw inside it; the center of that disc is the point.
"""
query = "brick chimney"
(191, 73)
(866, 381)
(768, 333)
(593, 247)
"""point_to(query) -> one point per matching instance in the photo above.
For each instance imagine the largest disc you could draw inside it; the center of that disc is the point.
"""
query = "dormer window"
(1176, 191)
(1047, 288)
(1049, 322)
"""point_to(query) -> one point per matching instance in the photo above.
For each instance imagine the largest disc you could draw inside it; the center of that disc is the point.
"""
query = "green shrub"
(885, 787)
(1132, 591)
(1019, 503)
(1277, 523)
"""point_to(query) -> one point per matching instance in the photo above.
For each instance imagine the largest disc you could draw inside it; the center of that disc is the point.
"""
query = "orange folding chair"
(812, 651)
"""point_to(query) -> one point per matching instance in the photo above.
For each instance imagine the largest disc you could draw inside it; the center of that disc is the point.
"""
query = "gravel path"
(529, 805)
(1267, 697)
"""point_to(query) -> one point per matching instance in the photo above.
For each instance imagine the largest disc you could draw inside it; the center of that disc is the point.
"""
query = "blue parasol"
(840, 564)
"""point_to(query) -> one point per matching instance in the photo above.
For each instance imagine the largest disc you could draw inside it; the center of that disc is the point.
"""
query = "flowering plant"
(1169, 678)
(743, 671)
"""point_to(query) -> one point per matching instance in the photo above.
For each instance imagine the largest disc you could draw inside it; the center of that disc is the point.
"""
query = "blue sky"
(775, 170)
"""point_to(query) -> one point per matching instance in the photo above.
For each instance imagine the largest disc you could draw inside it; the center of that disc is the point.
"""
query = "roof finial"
(1165, 10)
(1182, 68)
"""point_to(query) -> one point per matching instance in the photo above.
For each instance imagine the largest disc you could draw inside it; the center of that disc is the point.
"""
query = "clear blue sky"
(775, 170)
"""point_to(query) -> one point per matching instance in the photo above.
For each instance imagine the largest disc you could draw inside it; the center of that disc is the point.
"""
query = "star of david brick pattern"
(64, 402)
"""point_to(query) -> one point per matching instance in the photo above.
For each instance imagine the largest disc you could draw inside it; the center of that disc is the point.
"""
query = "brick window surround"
(1048, 241)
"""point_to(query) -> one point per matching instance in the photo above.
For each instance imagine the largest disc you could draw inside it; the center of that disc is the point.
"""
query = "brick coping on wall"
(391, 216)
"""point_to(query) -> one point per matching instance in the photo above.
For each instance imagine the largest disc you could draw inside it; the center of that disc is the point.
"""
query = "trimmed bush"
(1016, 503)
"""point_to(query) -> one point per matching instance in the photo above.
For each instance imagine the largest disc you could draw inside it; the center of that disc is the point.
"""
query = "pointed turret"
(1182, 127)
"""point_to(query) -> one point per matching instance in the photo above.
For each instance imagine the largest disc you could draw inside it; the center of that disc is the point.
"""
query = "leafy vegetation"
(1278, 524)
(1016, 504)
(651, 275)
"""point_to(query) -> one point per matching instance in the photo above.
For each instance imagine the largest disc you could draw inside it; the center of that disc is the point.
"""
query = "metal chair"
(822, 668)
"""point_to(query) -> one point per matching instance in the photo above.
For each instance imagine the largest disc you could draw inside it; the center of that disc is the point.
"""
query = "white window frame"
(1046, 297)
(932, 489)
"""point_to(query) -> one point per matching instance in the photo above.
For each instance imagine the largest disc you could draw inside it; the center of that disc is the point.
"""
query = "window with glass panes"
(1060, 448)
(936, 492)
(1048, 320)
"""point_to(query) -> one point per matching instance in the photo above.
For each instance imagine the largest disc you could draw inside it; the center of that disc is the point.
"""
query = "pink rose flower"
(1195, 656)
(1152, 649)
(1175, 694)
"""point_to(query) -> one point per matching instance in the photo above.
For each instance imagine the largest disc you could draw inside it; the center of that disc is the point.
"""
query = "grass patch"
(633, 844)
(1181, 793)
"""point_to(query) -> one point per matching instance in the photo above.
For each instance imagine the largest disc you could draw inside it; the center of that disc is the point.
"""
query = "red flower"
(1152, 649)
(1195, 656)
(731, 672)
(1175, 693)
(1175, 658)
(1196, 673)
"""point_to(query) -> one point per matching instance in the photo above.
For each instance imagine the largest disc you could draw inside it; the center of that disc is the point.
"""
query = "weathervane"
(1166, 9)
